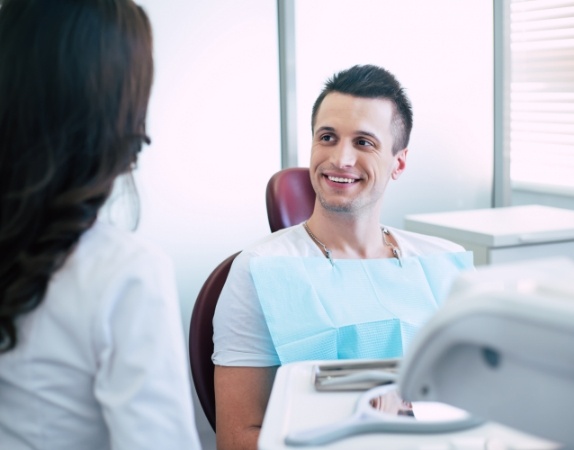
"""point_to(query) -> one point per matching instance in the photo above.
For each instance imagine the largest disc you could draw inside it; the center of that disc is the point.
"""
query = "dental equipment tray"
(295, 405)
(355, 375)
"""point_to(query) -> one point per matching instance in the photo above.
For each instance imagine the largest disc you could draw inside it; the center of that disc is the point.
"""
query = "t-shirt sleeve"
(241, 336)
(142, 381)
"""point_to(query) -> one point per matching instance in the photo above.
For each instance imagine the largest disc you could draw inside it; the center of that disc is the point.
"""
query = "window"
(540, 128)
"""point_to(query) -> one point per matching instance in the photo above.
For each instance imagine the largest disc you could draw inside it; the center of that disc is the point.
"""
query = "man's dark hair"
(370, 81)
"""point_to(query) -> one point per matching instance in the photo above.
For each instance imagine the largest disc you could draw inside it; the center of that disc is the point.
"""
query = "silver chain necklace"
(394, 248)
(325, 249)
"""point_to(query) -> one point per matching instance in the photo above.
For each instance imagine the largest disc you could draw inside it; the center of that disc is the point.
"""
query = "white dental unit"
(501, 349)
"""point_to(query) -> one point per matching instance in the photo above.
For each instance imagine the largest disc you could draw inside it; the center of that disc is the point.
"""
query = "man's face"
(351, 156)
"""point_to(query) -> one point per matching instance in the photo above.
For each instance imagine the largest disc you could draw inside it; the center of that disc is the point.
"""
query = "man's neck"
(349, 236)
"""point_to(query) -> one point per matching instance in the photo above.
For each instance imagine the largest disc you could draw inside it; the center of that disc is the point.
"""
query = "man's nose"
(344, 154)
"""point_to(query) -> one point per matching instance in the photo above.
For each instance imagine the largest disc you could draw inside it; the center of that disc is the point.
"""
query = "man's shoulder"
(414, 244)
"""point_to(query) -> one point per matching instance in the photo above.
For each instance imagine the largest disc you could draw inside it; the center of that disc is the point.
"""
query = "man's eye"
(327, 138)
(364, 142)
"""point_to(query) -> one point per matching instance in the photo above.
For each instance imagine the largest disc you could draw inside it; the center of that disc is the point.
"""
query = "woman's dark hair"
(75, 79)
(370, 81)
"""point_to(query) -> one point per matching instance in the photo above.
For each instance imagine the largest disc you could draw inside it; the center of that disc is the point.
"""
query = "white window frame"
(534, 137)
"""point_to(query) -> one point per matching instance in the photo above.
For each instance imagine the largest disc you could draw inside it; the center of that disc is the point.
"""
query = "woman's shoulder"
(104, 240)
(105, 252)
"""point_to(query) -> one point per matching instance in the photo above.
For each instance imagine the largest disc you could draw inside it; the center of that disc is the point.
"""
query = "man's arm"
(241, 396)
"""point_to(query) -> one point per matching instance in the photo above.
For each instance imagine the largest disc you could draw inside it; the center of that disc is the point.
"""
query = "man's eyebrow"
(356, 133)
(367, 133)
(325, 128)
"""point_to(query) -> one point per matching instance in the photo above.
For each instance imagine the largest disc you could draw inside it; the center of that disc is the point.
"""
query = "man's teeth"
(341, 180)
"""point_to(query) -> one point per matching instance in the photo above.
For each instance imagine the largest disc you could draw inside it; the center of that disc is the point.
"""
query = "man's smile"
(342, 180)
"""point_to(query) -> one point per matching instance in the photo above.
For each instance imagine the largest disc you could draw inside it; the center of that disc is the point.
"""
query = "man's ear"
(400, 163)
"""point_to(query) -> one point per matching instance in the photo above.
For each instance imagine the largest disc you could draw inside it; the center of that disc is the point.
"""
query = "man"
(361, 124)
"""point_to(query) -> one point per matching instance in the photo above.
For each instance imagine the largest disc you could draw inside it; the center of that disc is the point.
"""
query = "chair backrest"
(290, 198)
(201, 337)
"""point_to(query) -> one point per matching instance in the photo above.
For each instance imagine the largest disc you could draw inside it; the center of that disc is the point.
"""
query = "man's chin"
(337, 207)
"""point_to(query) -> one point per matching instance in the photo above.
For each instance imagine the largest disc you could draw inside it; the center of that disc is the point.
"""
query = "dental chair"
(201, 337)
(289, 200)
(502, 348)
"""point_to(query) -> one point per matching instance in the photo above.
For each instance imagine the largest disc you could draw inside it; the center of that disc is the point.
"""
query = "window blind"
(541, 122)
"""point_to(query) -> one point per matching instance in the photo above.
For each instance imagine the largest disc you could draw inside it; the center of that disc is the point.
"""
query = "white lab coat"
(101, 363)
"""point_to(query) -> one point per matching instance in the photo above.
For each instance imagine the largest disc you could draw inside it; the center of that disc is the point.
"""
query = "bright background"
(214, 115)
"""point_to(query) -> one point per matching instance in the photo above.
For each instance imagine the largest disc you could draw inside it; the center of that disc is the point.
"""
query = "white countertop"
(498, 227)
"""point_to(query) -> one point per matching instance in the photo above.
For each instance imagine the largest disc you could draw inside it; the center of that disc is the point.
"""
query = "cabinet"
(501, 235)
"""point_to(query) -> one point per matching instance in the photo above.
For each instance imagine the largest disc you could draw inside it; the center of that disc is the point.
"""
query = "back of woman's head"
(75, 78)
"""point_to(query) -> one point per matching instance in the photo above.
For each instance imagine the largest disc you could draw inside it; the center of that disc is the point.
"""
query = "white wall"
(214, 124)
(442, 53)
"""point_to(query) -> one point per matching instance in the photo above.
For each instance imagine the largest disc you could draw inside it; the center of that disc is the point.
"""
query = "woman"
(91, 347)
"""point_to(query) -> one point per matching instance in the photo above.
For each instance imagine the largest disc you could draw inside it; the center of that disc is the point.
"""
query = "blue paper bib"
(358, 308)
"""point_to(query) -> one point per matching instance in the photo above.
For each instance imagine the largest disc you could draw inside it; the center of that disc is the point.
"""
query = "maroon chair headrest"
(290, 198)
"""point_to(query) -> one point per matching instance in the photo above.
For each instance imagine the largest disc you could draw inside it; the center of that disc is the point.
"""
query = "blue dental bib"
(356, 308)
